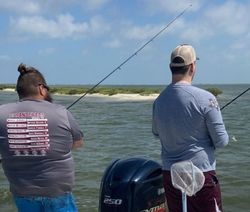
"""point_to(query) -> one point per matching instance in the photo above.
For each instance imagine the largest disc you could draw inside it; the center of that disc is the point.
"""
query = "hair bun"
(22, 68)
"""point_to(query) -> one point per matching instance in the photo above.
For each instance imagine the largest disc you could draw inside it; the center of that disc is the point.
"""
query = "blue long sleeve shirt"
(188, 122)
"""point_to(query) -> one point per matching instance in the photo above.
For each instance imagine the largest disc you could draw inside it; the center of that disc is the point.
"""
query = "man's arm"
(216, 128)
(77, 134)
(154, 128)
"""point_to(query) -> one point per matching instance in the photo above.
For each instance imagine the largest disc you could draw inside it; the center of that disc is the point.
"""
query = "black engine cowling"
(132, 185)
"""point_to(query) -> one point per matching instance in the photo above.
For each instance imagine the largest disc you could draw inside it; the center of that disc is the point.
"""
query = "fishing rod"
(130, 57)
(234, 99)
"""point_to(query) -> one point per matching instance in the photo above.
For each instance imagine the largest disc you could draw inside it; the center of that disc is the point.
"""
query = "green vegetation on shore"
(7, 86)
(214, 91)
(108, 89)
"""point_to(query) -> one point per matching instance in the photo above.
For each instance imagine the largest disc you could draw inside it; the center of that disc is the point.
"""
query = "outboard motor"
(132, 185)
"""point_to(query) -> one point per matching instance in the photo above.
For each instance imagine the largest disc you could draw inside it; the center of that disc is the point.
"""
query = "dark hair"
(28, 81)
(179, 70)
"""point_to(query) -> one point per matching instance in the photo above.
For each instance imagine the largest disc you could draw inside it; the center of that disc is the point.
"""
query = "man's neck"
(35, 97)
(181, 79)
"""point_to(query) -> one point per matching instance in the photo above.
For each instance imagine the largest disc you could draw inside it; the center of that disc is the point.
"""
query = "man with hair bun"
(36, 139)
(188, 122)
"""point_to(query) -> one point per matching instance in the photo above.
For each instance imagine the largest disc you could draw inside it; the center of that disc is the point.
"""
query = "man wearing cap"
(36, 139)
(188, 122)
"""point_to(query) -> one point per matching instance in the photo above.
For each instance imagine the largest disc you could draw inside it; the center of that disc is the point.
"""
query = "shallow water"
(121, 128)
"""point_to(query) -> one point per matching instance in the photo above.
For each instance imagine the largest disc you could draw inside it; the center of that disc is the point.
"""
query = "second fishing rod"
(130, 57)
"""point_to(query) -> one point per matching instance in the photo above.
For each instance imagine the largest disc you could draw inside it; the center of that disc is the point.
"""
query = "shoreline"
(128, 96)
(118, 96)
(8, 89)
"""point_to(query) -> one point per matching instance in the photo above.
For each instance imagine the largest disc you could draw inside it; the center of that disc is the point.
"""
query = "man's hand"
(77, 144)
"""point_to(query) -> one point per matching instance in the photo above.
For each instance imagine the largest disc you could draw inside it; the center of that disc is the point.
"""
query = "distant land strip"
(143, 90)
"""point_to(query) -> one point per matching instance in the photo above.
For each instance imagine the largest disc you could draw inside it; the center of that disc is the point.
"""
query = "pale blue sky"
(81, 41)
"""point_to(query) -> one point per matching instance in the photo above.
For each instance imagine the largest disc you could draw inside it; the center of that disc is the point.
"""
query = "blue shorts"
(64, 203)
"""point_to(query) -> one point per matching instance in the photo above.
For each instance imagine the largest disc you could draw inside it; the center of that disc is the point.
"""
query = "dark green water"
(116, 128)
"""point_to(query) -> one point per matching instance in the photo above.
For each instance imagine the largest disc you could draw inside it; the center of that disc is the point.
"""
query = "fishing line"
(234, 99)
(130, 57)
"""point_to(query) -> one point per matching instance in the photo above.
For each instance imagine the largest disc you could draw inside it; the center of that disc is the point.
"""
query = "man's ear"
(42, 90)
(191, 69)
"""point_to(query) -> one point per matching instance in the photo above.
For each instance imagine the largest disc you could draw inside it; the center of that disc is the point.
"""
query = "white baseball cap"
(183, 55)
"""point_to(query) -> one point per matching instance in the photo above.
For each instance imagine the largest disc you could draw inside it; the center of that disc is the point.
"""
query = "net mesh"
(187, 177)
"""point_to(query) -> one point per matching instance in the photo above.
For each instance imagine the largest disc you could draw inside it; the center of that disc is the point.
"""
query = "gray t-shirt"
(36, 138)
(188, 122)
